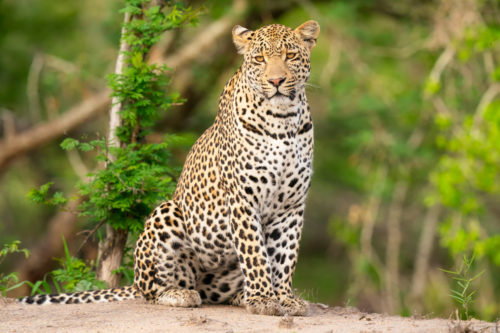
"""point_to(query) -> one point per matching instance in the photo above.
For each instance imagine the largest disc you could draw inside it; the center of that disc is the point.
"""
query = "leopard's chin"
(279, 99)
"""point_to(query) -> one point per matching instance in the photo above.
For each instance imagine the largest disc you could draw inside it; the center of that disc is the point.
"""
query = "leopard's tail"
(91, 296)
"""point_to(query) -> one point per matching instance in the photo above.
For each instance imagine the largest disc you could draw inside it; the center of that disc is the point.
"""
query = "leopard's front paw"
(294, 306)
(238, 299)
(183, 298)
(264, 306)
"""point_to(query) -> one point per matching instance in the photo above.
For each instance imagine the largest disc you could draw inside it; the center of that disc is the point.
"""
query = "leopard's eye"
(259, 58)
(291, 55)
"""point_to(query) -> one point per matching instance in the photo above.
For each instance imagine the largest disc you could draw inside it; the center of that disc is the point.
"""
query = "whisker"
(312, 85)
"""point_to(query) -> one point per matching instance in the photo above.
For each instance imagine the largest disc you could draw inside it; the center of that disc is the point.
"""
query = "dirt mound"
(139, 316)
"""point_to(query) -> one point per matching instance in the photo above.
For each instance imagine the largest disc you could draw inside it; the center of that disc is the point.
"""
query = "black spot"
(176, 245)
(208, 279)
(202, 294)
(224, 287)
(182, 284)
(270, 251)
(164, 236)
(214, 297)
(280, 197)
(248, 190)
(41, 299)
(275, 234)
(305, 128)
(293, 182)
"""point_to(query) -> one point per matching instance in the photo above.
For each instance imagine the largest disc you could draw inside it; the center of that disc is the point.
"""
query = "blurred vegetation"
(405, 99)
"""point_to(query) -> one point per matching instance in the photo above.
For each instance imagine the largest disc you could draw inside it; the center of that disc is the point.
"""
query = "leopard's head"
(276, 58)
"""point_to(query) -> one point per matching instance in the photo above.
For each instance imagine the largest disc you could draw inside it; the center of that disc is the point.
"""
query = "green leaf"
(40, 194)
(69, 143)
(84, 146)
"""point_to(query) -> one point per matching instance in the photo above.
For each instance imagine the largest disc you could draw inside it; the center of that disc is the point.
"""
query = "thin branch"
(60, 64)
(76, 162)
(492, 91)
(370, 216)
(441, 63)
(89, 234)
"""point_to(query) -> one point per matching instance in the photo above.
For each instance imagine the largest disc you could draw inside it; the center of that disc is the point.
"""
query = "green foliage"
(74, 274)
(10, 281)
(468, 173)
(141, 87)
(462, 293)
(136, 174)
(41, 195)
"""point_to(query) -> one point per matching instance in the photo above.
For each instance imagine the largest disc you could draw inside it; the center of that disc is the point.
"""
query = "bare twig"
(89, 233)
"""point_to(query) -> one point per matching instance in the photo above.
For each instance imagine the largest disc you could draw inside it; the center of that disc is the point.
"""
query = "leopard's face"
(276, 58)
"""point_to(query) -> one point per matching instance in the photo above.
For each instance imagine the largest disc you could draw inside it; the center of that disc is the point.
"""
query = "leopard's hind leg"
(165, 267)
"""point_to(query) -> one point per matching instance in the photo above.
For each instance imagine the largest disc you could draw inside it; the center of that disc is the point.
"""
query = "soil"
(139, 316)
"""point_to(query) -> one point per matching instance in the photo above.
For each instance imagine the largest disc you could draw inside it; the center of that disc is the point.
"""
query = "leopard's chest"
(274, 173)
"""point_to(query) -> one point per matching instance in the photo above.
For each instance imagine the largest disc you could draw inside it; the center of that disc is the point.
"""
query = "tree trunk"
(110, 255)
(423, 256)
(111, 249)
(393, 246)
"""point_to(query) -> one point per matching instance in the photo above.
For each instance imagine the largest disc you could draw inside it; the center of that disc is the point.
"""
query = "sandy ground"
(139, 316)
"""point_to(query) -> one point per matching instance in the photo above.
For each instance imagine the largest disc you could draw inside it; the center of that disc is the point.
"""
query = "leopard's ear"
(242, 38)
(308, 32)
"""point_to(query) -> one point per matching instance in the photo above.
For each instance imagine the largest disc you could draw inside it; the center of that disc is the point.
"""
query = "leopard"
(230, 233)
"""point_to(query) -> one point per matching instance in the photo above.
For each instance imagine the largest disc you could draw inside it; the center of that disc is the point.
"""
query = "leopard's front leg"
(282, 238)
(260, 297)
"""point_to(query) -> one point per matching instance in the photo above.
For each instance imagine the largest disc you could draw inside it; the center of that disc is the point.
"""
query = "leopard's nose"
(277, 82)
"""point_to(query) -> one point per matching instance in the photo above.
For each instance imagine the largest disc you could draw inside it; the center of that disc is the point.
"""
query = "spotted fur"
(231, 232)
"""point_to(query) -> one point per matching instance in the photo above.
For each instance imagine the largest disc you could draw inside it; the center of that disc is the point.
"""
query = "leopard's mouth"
(279, 94)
